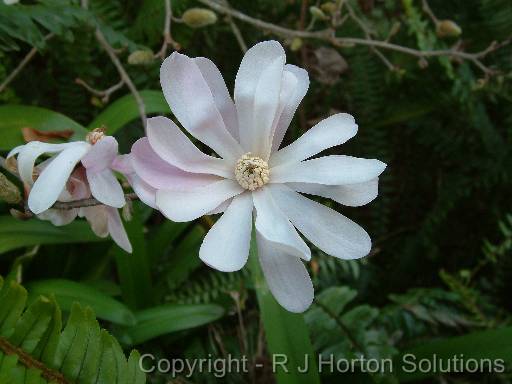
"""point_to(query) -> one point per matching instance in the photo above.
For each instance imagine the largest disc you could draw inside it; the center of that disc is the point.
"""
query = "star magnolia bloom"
(96, 154)
(251, 173)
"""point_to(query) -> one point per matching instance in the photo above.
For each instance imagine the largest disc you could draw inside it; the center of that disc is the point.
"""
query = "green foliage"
(35, 349)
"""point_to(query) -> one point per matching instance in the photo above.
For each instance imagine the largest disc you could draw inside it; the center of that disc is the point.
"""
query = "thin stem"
(22, 65)
(87, 202)
(104, 94)
(168, 40)
(329, 36)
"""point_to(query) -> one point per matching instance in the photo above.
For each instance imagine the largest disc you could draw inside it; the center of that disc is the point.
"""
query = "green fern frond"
(35, 349)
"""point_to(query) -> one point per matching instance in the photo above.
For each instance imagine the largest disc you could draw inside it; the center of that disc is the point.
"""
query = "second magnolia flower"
(252, 175)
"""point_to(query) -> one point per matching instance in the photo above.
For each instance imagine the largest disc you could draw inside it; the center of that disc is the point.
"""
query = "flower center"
(251, 172)
(95, 135)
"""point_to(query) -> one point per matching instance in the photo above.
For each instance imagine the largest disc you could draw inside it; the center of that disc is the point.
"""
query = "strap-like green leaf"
(17, 234)
(15, 117)
(124, 110)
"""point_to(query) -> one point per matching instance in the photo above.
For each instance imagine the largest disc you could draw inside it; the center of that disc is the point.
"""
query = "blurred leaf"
(133, 269)
(17, 234)
(124, 110)
(490, 344)
(162, 320)
(13, 118)
(68, 292)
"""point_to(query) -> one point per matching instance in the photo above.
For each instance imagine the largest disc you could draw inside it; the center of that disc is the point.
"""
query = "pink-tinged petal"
(145, 192)
(122, 164)
(101, 154)
(226, 245)
(286, 276)
(291, 104)
(334, 130)
(181, 206)
(173, 146)
(106, 188)
(52, 180)
(160, 174)
(192, 102)
(257, 89)
(58, 217)
(272, 224)
(329, 230)
(116, 229)
(28, 154)
(352, 195)
(328, 170)
(220, 94)
(96, 216)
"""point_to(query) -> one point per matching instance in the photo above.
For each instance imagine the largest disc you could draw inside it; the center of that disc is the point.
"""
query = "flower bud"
(141, 57)
(296, 44)
(8, 191)
(329, 7)
(317, 13)
(448, 28)
(199, 17)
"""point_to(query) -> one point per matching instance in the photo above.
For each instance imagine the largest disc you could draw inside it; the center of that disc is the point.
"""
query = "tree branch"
(329, 36)
(104, 94)
(22, 65)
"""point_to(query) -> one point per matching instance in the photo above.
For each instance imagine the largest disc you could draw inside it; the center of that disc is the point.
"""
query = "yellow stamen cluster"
(251, 172)
(95, 135)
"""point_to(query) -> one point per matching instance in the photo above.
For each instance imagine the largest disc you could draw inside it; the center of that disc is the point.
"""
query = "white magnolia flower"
(251, 174)
(104, 220)
(96, 155)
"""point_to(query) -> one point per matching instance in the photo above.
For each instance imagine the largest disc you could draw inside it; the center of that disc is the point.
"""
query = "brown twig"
(168, 40)
(120, 69)
(22, 65)
(329, 36)
(87, 202)
(104, 94)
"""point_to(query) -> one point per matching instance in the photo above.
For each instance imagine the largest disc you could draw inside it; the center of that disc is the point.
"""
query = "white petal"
(192, 102)
(97, 218)
(257, 88)
(220, 94)
(31, 151)
(116, 229)
(58, 217)
(329, 230)
(286, 276)
(106, 188)
(53, 178)
(352, 195)
(173, 146)
(145, 192)
(101, 155)
(328, 170)
(221, 208)
(272, 223)
(292, 103)
(288, 84)
(188, 205)
(334, 130)
(226, 245)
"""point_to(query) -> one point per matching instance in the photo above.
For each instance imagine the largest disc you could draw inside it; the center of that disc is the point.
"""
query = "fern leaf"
(35, 349)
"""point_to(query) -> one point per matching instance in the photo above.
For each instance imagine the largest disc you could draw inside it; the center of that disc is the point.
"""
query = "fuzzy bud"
(448, 28)
(141, 57)
(8, 191)
(296, 44)
(317, 13)
(329, 7)
(199, 17)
